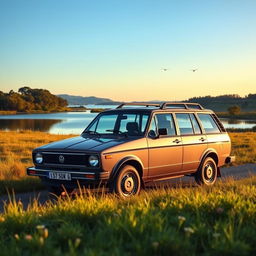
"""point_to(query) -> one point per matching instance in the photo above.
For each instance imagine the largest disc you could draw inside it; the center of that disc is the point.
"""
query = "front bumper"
(92, 176)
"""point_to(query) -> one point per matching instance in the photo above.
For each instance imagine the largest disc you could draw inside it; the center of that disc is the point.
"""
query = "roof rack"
(165, 105)
(140, 104)
(181, 105)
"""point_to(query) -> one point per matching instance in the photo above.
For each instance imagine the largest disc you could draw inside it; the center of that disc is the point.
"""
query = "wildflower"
(181, 218)
(216, 235)
(189, 230)
(219, 210)
(28, 237)
(2, 219)
(77, 242)
(41, 240)
(42, 230)
(16, 236)
(39, 227)
(155, 245)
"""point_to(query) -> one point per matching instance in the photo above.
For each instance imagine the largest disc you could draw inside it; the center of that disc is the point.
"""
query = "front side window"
(208, 123)
(185, 124)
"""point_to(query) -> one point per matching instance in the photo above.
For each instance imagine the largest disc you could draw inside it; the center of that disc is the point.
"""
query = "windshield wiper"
(92, 132)
(118, 132)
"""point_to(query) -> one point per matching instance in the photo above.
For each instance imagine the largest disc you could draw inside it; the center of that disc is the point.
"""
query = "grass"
(243, 147)
(16, 148)
(183, 221)
(8, 112)
(15, 157)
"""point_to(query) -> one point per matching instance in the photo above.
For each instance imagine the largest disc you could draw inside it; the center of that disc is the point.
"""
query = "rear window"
(208, 123)
(185, 124)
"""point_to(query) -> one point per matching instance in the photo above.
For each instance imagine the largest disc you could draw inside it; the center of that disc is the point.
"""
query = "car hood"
(81, 143)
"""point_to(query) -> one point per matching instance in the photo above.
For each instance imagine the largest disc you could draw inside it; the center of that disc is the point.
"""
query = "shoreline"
(13, 112)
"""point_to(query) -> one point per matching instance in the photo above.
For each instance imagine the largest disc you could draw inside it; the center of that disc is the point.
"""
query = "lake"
(76, 122)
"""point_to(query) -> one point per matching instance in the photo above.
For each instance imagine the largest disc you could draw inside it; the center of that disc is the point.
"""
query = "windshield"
(128, 124)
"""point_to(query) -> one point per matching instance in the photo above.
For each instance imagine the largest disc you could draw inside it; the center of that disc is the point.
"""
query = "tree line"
(231, 103)
(27, 99)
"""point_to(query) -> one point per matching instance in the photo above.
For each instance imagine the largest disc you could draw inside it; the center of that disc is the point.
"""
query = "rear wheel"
(127, 183)
(207, 172)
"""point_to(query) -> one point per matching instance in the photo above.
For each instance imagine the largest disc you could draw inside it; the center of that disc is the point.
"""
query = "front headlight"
(39, 158)
(93, 160)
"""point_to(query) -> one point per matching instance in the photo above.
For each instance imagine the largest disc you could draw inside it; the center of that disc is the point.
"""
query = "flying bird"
(194, 70)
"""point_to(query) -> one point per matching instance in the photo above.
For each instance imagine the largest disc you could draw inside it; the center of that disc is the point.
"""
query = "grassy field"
(15, 157)
(16, 148)
(181, 221)
(243, 147)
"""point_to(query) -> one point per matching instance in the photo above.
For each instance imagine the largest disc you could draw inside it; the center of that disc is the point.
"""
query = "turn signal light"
(89, 176)
(32, 172)
(108, 156)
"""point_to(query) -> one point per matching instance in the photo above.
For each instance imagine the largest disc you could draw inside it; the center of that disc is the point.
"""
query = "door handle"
(177, 141)
(202, 139)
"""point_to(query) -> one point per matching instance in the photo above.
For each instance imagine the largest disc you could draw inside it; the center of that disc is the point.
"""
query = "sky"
(117, 48)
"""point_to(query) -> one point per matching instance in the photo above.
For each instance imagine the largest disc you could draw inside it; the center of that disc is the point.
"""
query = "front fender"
(121, 162)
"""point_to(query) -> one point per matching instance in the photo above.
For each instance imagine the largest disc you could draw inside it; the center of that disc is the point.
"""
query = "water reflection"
(238, 124)
(57, 123)
(43, 125)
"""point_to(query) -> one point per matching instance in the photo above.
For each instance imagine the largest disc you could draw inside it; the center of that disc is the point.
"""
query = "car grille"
(65, 158)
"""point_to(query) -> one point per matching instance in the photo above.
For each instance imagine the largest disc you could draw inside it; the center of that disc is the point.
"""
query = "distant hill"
(217, 103)
(79, 100)
(223, 102)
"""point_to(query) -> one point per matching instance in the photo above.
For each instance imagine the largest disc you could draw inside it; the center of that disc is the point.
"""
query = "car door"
(194, 141)
(165, 151)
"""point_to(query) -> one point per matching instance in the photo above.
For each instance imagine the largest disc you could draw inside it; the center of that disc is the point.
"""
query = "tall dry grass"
(244, 147)
(16, 148)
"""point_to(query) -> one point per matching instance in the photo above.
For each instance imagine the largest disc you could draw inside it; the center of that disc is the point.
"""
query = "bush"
(234, 110)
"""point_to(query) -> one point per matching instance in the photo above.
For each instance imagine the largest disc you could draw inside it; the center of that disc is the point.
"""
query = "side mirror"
(162, 131)
(152, 134)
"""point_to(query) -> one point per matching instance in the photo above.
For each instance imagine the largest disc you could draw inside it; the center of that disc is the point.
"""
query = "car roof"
(155, 107)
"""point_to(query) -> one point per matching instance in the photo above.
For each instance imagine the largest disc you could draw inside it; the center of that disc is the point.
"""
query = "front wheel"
(207, 172)
(127, 183)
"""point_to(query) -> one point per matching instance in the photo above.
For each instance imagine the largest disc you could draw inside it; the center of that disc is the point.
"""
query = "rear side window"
(166, 121)
(196, 126)
(208, 123)
(185, 124)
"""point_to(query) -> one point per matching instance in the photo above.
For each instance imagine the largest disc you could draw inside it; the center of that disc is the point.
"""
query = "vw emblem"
(61, 159)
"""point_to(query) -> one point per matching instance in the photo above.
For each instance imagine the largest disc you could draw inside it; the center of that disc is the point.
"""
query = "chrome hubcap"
(129, 184)
(209, 172)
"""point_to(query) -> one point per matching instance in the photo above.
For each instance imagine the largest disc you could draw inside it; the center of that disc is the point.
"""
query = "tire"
(207, 172)
(127, 182)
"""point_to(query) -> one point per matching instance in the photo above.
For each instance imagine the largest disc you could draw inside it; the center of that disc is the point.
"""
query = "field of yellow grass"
(16, 148)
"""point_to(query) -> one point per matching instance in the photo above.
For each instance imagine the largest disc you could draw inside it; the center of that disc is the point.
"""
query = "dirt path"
(236, 172)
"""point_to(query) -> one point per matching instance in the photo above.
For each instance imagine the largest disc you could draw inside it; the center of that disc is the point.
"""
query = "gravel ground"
(235, 172)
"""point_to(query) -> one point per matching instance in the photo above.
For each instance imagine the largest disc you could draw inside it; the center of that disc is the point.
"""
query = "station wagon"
(136, 143)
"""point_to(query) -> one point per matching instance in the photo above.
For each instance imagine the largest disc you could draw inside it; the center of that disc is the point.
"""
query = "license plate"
(59, 175)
